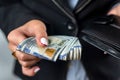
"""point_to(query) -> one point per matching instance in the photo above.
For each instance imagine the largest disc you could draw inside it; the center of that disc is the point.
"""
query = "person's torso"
(58, 13)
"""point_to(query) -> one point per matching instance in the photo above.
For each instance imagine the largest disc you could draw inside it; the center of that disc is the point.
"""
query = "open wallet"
(104, 33)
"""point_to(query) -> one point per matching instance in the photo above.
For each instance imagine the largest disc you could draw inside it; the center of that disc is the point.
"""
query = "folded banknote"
(59, 47)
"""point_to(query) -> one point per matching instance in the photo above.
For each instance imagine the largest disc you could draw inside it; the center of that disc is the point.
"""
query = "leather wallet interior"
(104, 33)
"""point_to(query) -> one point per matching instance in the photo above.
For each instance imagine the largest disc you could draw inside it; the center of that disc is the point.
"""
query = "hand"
(34, 28)
(115, 10)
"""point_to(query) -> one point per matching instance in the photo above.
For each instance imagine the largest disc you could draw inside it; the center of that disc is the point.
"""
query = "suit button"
(70, 27)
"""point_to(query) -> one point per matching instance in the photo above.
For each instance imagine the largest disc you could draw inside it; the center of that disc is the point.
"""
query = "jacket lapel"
(81, 5)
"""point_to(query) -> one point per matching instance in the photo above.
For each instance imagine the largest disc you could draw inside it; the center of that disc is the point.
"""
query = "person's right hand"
(32, 28)
(115, 10)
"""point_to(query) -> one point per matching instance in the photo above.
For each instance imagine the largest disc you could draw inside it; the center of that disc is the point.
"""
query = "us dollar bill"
(59, 47)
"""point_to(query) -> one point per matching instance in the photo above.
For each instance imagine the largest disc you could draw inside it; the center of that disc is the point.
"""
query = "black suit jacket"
(60, 19)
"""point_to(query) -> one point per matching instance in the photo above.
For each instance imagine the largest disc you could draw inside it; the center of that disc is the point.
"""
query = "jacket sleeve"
(14, 15)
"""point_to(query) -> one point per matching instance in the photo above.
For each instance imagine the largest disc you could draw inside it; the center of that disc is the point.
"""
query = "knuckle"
(24, 72)
(25, 64)
(27, 73)
(22, 57)
(10, 36)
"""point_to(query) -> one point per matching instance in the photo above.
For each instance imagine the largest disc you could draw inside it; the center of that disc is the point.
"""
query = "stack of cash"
(59, 47)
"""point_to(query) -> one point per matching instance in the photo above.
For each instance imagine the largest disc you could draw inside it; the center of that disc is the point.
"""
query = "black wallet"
(104, 33)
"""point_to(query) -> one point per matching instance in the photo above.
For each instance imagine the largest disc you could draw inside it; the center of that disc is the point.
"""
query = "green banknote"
(59, 47)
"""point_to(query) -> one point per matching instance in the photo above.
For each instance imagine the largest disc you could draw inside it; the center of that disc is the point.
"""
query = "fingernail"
(44, 41)
(36, 70)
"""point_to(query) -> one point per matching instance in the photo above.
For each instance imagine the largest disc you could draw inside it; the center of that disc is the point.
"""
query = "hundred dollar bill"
(74, 53)
(60, 47)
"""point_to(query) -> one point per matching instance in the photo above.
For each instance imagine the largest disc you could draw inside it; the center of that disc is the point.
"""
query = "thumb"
(40, 33)
(41, 38)
(38, 29)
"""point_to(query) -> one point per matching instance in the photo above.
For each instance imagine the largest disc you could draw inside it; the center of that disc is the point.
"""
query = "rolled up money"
(59, 47)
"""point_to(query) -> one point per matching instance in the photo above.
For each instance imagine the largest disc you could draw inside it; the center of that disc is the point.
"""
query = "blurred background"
(6, 60)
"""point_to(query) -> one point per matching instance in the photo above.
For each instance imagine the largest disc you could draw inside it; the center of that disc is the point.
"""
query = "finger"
(13, 50)
(12, 47)
(25, 57)
(41, 36)
(30, 71)
(38, 29)
(15, 37)
(41, 40)
(28, 63)
(115, 10)
(22, 56)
